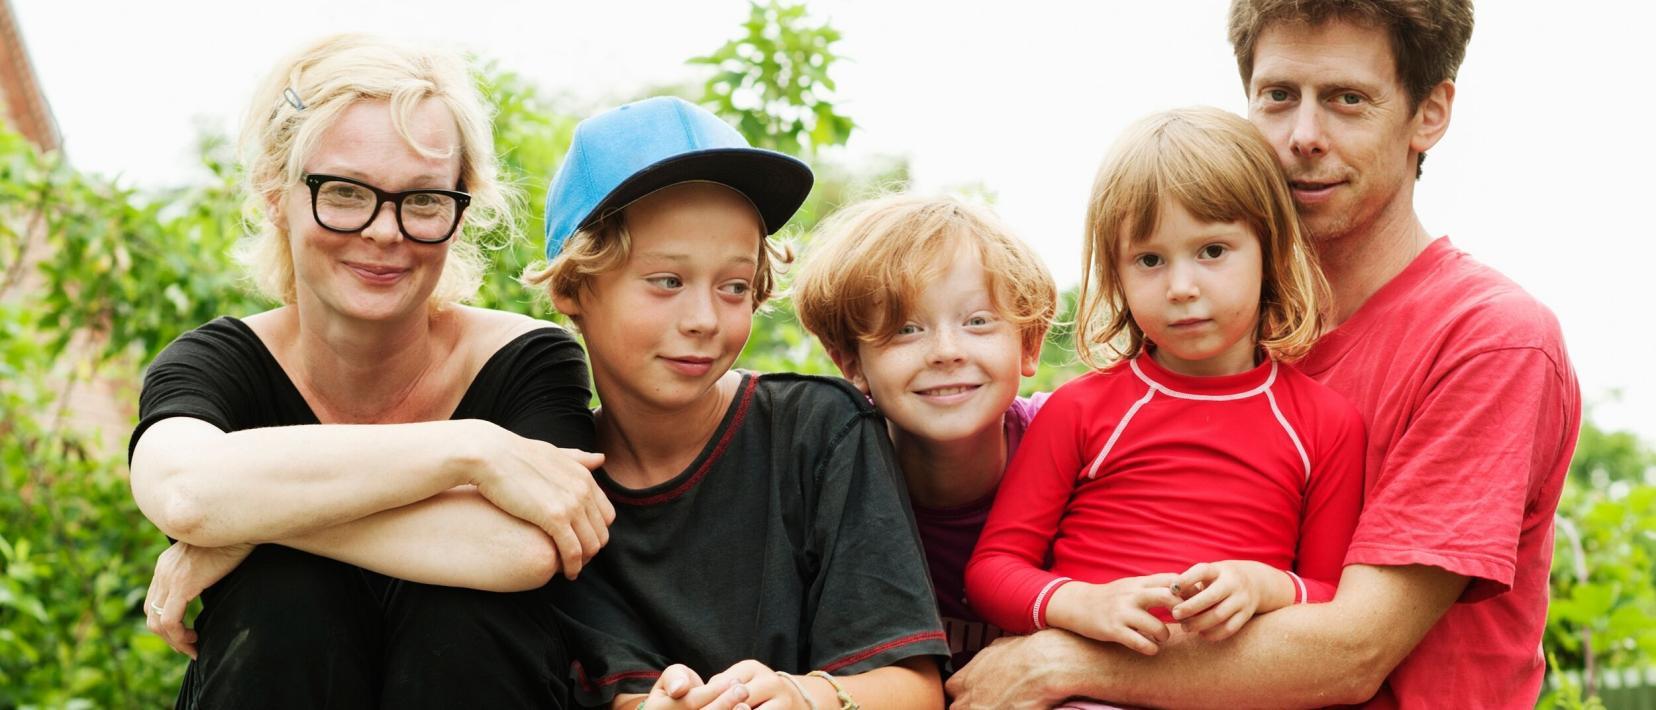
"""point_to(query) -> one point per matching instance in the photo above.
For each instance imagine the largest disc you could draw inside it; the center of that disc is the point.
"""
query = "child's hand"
(765, 688)
(679, 688)
(1118, 611)
(1219, 597)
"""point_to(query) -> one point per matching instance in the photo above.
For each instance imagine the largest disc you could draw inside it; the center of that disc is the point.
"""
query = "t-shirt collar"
(1336, 343)
(1237, 386)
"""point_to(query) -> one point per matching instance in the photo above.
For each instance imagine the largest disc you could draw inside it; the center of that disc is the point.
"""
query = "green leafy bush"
(1603, 611)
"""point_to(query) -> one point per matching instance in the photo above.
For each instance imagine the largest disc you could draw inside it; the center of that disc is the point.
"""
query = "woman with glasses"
(366, 484)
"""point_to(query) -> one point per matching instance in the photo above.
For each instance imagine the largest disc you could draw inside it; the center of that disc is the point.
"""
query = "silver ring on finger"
(157, 608)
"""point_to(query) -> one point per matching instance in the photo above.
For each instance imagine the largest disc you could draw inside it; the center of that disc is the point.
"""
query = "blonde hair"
(1218, 167)
(328, 77)
(606, 245)
(869, 263)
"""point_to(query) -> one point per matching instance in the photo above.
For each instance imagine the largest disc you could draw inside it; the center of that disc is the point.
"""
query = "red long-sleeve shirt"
(1136, 470)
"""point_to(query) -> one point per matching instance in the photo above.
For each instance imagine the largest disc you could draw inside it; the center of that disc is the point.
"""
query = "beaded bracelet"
(846, 701)
(809, 703)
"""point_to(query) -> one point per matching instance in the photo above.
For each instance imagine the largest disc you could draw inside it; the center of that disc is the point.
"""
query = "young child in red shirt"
(1195, 476)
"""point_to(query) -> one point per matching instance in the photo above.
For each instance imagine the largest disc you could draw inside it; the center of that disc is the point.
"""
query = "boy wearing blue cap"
(762, 538)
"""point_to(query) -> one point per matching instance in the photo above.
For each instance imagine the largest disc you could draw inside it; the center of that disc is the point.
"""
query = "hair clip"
(292, 98)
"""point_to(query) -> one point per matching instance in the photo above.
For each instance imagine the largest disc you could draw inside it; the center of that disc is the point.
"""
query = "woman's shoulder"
(221, 339)
(480, 334)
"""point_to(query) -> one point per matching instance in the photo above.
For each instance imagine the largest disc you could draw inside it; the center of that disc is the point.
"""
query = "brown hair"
(606, 245)
(1218, 166)
(1428, 37)
(869, 262)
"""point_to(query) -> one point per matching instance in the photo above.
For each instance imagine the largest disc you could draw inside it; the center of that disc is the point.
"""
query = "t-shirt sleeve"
(205, 374)
(1453, 489)
(1333, 499)
(615, 647)
(870, 600)
(544, 391)
(1005, 580)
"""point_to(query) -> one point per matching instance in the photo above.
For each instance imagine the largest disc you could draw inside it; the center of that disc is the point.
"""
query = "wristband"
(1301, 595)
(809, 703)
(846, 701)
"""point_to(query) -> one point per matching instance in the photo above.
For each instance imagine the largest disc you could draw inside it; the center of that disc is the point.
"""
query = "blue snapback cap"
(625, 153)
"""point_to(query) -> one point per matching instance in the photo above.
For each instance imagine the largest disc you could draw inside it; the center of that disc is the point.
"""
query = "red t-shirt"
(1472, 411)
(1137, 470)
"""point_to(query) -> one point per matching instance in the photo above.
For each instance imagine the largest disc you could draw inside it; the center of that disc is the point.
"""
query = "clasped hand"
(748, 684)
(1214, 599)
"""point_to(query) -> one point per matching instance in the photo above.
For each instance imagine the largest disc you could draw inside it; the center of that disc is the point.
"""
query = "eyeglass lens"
(348, 207)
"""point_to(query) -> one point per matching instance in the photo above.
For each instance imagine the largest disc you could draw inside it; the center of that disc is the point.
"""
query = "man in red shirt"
(1471, 405)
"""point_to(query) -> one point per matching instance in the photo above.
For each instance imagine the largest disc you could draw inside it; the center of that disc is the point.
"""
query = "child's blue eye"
(978, 320)
(669, 282)
(738, 288)
(908, 329)
(1213, 251)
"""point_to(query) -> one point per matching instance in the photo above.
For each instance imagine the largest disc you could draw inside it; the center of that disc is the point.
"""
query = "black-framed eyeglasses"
(341, 204)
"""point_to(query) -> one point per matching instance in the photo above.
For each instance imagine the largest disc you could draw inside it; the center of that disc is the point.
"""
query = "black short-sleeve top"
(535, 386)
(788, 540)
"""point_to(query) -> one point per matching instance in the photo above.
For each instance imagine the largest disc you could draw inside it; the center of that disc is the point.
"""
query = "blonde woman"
(365, 484)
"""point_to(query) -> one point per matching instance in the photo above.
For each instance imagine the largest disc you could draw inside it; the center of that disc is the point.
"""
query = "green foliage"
(1059, 362)
(531, 136)
(1603, 610)
(75, 554)
(773, 80)
(126, 274)
(1567, 692)
(131, 271)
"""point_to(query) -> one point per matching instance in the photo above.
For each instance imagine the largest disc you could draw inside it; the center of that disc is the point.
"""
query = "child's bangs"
(1020, 288)
(1214, 178)
(1200, 168)
(885, 294)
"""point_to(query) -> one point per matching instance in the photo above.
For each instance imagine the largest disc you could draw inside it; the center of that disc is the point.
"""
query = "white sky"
(1541, 175)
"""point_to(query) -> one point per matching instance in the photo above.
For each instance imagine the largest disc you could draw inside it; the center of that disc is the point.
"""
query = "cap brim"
(775, 183)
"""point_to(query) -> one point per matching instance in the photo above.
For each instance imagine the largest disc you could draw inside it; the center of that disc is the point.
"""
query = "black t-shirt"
(535, 386)
(788, 540)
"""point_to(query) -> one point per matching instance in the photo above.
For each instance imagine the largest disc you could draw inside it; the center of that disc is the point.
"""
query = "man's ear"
(1431, 118)
(850, 367)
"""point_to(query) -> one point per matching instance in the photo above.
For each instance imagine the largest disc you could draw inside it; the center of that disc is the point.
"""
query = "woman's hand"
(181, 572)
(551, 488)
(1220, 597)
(1118, 611)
